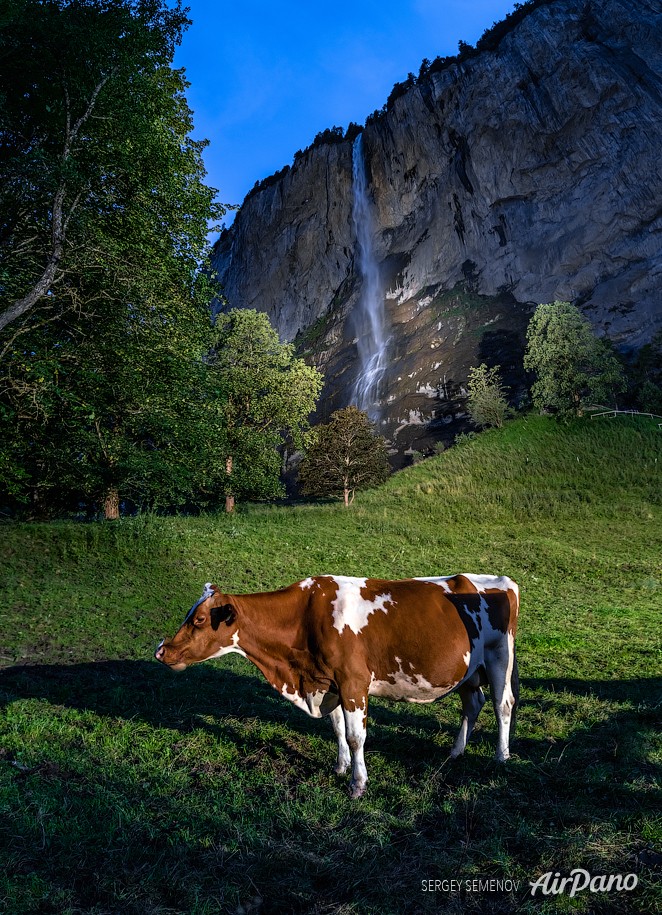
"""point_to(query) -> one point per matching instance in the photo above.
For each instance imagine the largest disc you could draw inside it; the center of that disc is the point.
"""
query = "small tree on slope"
(347, 455)
(487, 401)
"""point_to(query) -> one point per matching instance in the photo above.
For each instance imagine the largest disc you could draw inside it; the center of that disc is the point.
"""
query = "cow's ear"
(225, 614)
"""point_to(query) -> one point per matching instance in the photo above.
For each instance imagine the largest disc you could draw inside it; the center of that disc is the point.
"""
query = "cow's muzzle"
(176, 663)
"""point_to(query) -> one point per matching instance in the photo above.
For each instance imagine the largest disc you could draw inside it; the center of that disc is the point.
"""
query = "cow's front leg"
(344, 759)
(356, 717)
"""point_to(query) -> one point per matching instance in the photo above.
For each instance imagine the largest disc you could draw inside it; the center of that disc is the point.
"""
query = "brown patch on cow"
(375, 588)
(502, 606)
(422, 628)
(498, 609)
(503, 609)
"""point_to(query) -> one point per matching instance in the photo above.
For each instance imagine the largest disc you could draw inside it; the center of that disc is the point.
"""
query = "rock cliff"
(522, 174)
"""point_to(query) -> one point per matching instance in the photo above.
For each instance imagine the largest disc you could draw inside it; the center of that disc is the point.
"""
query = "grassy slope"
(130, 789)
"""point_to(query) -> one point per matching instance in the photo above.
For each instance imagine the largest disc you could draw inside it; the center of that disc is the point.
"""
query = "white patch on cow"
(496, 582)
(229, 649)
(467, 657)
(411, 687)
(294, 697)
(438, 580)
(317, 704)
(480, 582)
(307, 583)
(352, 610)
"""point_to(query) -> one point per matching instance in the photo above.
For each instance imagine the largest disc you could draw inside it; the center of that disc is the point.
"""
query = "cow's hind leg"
(500, 668)
(344, 759)
(473, 699)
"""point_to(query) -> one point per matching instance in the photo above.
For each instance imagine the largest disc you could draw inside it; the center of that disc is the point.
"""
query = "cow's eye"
(199, 620)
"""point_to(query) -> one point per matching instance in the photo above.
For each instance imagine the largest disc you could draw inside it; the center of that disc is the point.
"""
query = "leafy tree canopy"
(102, 193)
(267, 394)
(123, 412)
(344, 456)
(104, 214)
(573, 368)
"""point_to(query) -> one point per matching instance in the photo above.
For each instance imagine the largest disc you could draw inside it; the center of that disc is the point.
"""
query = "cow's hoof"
(502, 757)
(455, 754)
(356, 790)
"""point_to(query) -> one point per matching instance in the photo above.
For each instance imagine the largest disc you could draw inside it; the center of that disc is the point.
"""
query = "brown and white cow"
(327, 643)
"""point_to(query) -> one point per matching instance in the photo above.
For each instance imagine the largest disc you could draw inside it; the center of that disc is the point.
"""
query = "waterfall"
(369, 316)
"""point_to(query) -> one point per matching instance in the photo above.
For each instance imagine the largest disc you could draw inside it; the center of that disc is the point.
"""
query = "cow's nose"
(159, 654)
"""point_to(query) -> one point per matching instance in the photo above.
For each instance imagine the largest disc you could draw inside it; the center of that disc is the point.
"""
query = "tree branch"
(43, 284)
(59, 223)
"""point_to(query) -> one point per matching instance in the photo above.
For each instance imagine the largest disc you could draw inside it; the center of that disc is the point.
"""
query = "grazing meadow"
(127, 788)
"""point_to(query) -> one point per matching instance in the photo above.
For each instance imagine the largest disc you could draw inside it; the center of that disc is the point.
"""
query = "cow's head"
(209, 631)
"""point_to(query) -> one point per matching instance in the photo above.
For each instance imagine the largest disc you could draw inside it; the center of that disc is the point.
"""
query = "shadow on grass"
(207, 840)
(216, 700)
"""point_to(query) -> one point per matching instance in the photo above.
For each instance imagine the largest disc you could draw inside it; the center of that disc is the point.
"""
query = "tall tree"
(573, 368)
(268, 395)
(104, 216)
(345, 455)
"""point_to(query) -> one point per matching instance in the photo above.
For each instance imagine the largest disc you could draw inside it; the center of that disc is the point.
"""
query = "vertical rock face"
(524, 174)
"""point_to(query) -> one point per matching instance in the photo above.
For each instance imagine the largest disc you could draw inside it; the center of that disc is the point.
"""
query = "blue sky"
(267, 76)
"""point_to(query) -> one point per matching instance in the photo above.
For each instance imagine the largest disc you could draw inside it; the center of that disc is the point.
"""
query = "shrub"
(487, 401)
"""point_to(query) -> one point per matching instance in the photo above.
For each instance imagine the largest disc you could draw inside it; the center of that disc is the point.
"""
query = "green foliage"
(104, 215)
(487, 401)
(573, 368)
(128, 407)
(103, 193)
(645, 377)
(345, 456)
(267, 393)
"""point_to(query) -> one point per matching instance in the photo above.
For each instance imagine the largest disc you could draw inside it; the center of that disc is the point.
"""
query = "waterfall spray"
(369, 316)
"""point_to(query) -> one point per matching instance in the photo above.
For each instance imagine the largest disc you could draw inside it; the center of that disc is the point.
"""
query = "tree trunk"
(111, 504)
(345, 493)
(229, 497)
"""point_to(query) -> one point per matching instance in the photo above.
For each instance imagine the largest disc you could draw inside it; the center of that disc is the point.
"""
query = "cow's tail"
(514, 685)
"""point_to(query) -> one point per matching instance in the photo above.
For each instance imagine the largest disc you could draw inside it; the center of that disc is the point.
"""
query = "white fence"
(611, 413)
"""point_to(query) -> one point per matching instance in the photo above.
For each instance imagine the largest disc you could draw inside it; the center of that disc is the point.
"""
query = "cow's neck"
(270, 629)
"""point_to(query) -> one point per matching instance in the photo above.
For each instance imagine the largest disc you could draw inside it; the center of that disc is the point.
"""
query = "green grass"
(125, 788)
